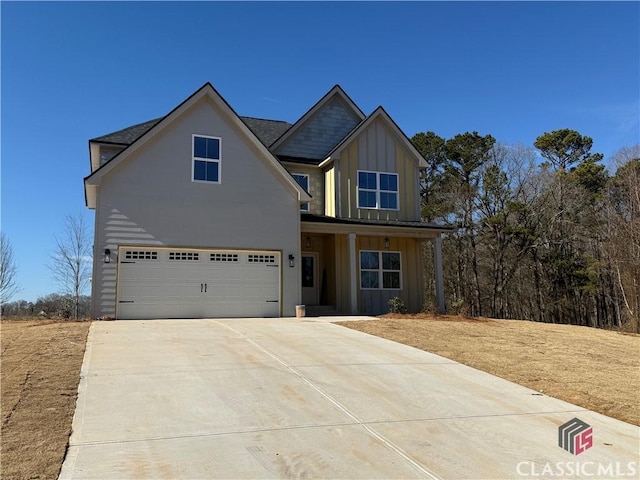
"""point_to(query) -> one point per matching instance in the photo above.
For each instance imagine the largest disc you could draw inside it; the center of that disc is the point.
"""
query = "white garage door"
(187, 283)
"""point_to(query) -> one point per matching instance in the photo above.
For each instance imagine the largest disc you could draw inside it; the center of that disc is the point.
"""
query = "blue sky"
(74, 70)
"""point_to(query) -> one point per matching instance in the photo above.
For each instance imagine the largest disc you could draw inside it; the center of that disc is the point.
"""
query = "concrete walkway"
(285, 398)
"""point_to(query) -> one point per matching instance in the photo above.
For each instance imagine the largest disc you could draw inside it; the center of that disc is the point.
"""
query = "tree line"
(70, 267)
(541, 233)
(54, 305)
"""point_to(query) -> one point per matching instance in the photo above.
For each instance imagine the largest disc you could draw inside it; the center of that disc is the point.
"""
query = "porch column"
(353, 272)
(437, 264)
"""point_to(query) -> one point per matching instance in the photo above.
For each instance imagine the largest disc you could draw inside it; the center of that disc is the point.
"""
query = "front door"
(310, 279)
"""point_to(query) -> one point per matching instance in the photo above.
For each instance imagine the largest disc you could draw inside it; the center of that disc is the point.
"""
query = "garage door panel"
(175, 283)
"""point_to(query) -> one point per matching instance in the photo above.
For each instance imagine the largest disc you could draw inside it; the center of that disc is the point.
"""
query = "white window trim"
(194, 158)
(380, 270)
(302, 209)
(377, 190)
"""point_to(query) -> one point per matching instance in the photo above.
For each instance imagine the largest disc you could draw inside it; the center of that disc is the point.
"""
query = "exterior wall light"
(291, 261)
(308, 241)
(386, 243)
(107, 255)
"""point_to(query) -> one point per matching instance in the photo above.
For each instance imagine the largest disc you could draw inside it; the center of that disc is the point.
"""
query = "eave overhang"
(320, 224)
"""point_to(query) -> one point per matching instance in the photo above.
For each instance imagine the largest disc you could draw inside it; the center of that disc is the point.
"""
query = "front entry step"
(321, 311)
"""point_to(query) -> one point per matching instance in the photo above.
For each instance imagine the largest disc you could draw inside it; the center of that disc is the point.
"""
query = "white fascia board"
(327, 161)
(90, 195)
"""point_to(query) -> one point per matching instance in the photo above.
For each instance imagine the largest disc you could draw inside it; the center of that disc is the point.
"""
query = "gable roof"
(336, 91)
(128, 135)
(94, 179)
(266, 130)
(379, 112)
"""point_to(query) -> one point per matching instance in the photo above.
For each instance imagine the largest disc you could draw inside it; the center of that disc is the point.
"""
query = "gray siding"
(107, 153)
(149, 199)
(321, 132)
(316, 186)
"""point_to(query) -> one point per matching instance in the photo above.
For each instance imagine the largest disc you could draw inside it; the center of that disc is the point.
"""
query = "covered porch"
(354, 266)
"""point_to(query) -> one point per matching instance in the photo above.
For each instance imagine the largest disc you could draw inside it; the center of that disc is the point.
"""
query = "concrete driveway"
(285, 398)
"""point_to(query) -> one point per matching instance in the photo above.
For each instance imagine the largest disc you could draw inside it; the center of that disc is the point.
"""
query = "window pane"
(200, 147)
(305, 207)
(384, 182)
(393, 183)
(390, 279)
(212, 171)
(199, 170)
(369, 280)
(213, 148)
(369, 261)
(366, 199)
(367, 180)
(303, 181)
(390, 261)
(389, 182)
(307, 271)
(389, 200)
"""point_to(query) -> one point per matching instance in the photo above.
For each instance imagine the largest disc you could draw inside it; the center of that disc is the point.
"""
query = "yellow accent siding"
(330, 193)
(378, 149)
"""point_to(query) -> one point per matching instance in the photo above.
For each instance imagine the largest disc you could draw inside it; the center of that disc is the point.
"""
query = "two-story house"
(203, 213)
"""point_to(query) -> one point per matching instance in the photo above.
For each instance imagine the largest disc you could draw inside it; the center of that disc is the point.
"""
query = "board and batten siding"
(150, 199)
(376, 302)
(378, 149)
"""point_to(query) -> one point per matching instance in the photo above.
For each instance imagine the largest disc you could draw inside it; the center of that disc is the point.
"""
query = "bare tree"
(8, 270)
(71, 259)
(623, 225)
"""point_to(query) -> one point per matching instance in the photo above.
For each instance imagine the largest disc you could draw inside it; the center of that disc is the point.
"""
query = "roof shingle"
(268, 131)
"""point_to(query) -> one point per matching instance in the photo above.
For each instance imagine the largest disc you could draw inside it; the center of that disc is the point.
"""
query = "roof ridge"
(264, 119)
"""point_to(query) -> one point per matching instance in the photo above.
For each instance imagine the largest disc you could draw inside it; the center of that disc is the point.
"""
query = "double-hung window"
(377, 190)
(206, 159)
(380, 270)
(303, 181)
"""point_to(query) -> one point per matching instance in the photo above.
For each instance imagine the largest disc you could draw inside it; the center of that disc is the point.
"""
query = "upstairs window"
(380, 270)
(206, 159)
(303, 181)
(377, 190)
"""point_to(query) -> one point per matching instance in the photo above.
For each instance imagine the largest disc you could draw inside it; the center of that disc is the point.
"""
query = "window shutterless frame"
(378, 190)
(303, 181)
(206, 159)
(380, 270)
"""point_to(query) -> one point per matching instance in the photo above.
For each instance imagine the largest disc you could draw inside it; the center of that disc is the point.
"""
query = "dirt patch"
(41, 362)
(592, 368)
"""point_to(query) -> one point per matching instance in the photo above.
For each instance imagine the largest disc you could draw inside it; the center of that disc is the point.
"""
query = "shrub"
(396, 305)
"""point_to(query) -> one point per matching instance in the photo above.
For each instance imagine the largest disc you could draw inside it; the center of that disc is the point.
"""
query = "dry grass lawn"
(596, 369)
(41, 362)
